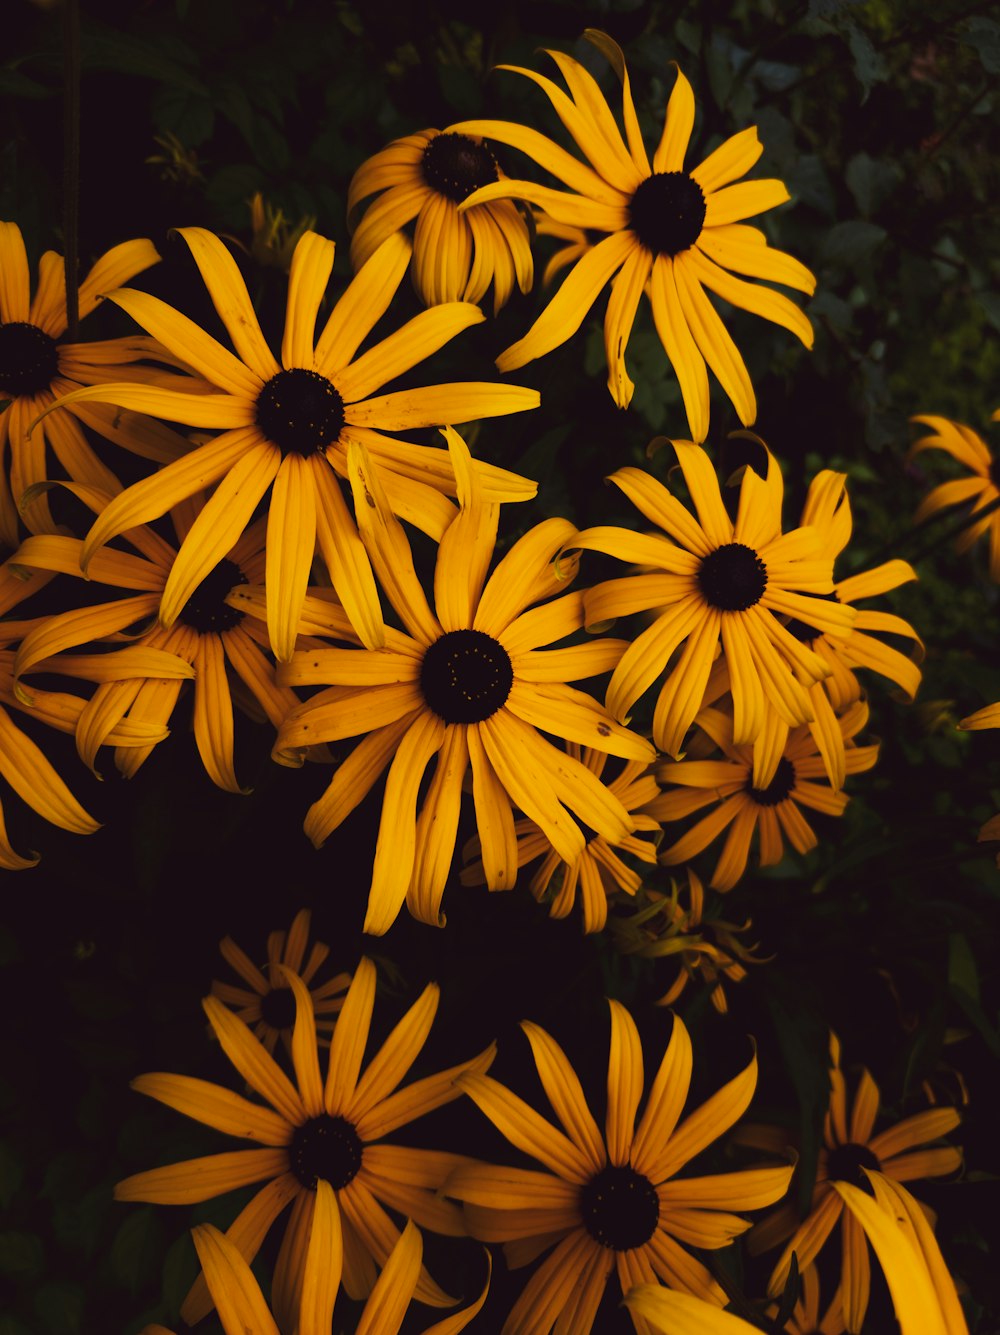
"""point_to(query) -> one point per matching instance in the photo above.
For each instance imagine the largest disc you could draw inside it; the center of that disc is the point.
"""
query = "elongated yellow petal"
(202, 1179)
(201, 410)
(494, 817)
(231, 299)
(565, 1093)
(735, 202)
(291, 544)
(666, 1099)
(363, 304)
(679, 345)
(713, 339)
(216, 1107)
(625, 1081)
(250, 1058)
(677, 126)
(763, 301)
(745, 249)
(33, 778)
(437, 829)
(527, 1129)
(572, 210)
(570, 170)
(324, 1264)
(441, 405)
(115, 267)
(235, 1292)
(674, 1313)
(15, 280)
(312, 264)
(350, 1037)
(626, 289)
(413, 342)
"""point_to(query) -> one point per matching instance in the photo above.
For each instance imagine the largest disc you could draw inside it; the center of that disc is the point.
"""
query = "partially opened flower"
(37, 367)
(989, 717)
(600, 870)
(713, 579)
(287, 425)
(982, 488)
(612, 1202)
(268, 1002)
(314, 1131)
(670, 233)
(743, 808)
(467, 684)
(456, 255)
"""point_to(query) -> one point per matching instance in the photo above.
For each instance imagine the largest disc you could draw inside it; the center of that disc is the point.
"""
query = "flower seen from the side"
(675, 234)
(469, 683)
(742, 807)
(330, 1129)
(456, 255)
(712, 580)
(267, 1002)
(286, 425)
(609, 1203)
(982, 489)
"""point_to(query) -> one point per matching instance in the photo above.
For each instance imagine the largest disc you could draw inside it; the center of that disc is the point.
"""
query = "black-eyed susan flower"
(669, 232)
(741, 807)
(989, 717)
(600, 870)
(850, 1149)
(267, 1002)
(456, 255)
(467, 684)
(142, 681)
(36, 368)
(286, 425)
(331, 1130)
(609, 1203)
(982, 488)
(714, 579)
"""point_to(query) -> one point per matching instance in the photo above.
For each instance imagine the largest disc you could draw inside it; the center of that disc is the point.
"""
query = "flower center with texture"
(207, 610)
(802, 631)
(455, 166)
(732, 578)
(466, 676)
(325, 1147)
(277, 1008)
(300, 411)
(846, 1162)
(667, 212)
(779, 787)
(29, 360)
(620, 1208)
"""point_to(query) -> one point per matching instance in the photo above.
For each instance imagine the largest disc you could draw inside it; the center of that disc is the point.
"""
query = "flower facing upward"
(743, 805)
(715, 579)
(456, 255)
(316, 1130)
(288, 424)
(849, 1148)
(982, 488)
(269, 1003)
(469, 684)
(609, 1202)
(670, 232)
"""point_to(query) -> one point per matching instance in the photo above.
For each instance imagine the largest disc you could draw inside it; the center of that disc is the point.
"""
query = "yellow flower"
(743, 806)
(456, 255)
(36, 368)
(611, 1202)
(671, 232)
(314, 1130)
(729, 581)
(599, 870)
(465, 683)
(989, 717)
(269, 1003)
(982, 488)
(289, 424)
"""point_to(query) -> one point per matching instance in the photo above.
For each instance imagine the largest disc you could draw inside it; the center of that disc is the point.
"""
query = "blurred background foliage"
(881, 118)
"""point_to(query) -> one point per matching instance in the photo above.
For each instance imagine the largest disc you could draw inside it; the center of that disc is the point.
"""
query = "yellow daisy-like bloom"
(426, 176)
(36, 369)
(715, 579)
(989, 717)
(269, 1003)
(744, 806)
(599, 870)
(671, 232)
(142, 682)
(850, 1148)
(660, 927)
(243, 1309)
(289, 424)
(983, 488)
(611, 1202)
(316, 1130)
(465, 683)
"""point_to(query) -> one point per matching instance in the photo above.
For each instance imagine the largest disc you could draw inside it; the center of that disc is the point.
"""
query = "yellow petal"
(232, 301)
(677, 127)
(312, 264)
(237, 1295)
(679, 345)
(324, 1264)
(291, 544)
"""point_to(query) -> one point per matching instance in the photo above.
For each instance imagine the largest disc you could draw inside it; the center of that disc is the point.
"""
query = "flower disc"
(466, 676)
(300, 411)
(667, 212)
(732, 578)
(620, 1208)
(28, 358)
(325, 1147)
(207, 610)
(455, 166)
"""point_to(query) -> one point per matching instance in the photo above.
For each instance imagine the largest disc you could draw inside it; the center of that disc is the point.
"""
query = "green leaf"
(186, 113)
(962, 970)
(106, 49)
(20, 1254)
(180, 1266)
(983, 35)
(869, 66)
(15, 84)
(59, 1308)
(136, 1248)
(808, 182)
(850, 243)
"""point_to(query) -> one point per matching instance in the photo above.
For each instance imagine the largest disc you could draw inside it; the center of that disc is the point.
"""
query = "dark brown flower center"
(667, 212)
(455, 166)
(801, 629)
(779, 787)
(732, 578)
(846, 1162)
(620, 1208)
(325, 1147)
(29, 359)
(277, 1008)
(466, 676)
(207, 610)
(300, 411)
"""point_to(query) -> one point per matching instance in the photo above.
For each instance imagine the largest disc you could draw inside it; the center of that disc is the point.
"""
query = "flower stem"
(71, 162)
